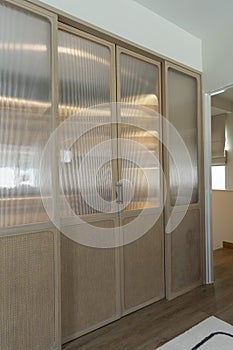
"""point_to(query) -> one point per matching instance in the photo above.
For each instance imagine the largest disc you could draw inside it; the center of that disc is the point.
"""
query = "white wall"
(218, 60)
(134, 22)
(222, 203)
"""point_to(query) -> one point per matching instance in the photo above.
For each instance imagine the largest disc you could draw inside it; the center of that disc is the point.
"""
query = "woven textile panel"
(27, 293)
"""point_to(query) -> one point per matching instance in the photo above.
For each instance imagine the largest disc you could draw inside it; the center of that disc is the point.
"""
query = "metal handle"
(119, 193)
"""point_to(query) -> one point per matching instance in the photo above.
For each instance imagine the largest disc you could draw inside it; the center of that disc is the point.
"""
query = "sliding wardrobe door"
(139, 130)
(28, 241)
(90, 273)
(184, 209)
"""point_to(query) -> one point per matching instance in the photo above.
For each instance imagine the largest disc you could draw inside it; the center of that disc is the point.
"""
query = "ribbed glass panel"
(182, 100)
(139, 82)
(84, 88)
(25, 113)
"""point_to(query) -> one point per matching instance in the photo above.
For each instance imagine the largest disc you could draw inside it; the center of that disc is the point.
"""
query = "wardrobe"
(101, 213)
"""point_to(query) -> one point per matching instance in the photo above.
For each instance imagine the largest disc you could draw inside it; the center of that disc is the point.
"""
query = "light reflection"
(7, 178)
(23, 47)
(150, 100)
(11, 177)
(19, 102)
(82, 54)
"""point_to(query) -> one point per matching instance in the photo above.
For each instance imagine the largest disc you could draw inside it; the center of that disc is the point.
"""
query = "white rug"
(211, 334)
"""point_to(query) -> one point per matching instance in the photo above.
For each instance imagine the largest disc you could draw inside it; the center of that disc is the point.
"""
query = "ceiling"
(198, 17)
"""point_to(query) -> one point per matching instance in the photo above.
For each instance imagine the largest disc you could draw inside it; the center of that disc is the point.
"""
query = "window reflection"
(25, 118)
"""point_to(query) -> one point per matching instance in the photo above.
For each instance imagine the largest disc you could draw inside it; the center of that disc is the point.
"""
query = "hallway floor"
(154, 325)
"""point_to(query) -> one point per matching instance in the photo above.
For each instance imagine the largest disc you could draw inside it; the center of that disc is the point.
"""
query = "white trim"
(219, 90)
(209, 269)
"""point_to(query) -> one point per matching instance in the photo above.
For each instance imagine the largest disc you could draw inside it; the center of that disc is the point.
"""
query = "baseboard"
(227, 244)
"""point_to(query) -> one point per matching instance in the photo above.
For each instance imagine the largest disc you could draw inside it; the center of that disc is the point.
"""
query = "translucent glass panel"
(139, 122)
(25, 117)
(139, 81)
(182, 103)
(84, 97)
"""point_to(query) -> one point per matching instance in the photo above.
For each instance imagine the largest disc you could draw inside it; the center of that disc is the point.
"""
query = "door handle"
(119, 193)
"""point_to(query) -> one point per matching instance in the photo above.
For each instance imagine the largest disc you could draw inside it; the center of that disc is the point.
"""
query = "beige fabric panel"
(144, 267)
(183, 114)
(88, 285)
(27, 292)
(186, 260)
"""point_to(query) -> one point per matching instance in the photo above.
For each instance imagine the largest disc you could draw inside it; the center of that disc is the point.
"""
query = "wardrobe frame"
(62, 20)
(42, 12)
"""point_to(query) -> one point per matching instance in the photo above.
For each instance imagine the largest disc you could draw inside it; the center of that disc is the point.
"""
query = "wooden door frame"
(18, 230)
(158, 64)
(199, 205)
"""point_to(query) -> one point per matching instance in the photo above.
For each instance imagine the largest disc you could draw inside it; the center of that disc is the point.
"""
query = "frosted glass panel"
(84, 88)
(25, 113)
(139, 82)
(182, 100)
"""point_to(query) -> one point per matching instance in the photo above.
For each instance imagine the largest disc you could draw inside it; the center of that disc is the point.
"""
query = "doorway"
(222, 167)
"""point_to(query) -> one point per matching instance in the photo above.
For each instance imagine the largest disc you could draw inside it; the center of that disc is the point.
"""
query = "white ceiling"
(198, 17)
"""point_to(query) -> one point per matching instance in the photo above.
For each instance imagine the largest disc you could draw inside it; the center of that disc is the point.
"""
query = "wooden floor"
(154, 325)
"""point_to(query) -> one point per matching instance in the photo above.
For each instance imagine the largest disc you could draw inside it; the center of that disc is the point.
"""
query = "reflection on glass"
(24, 113)
(84, 83)
(182, 97)
(139, 81)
